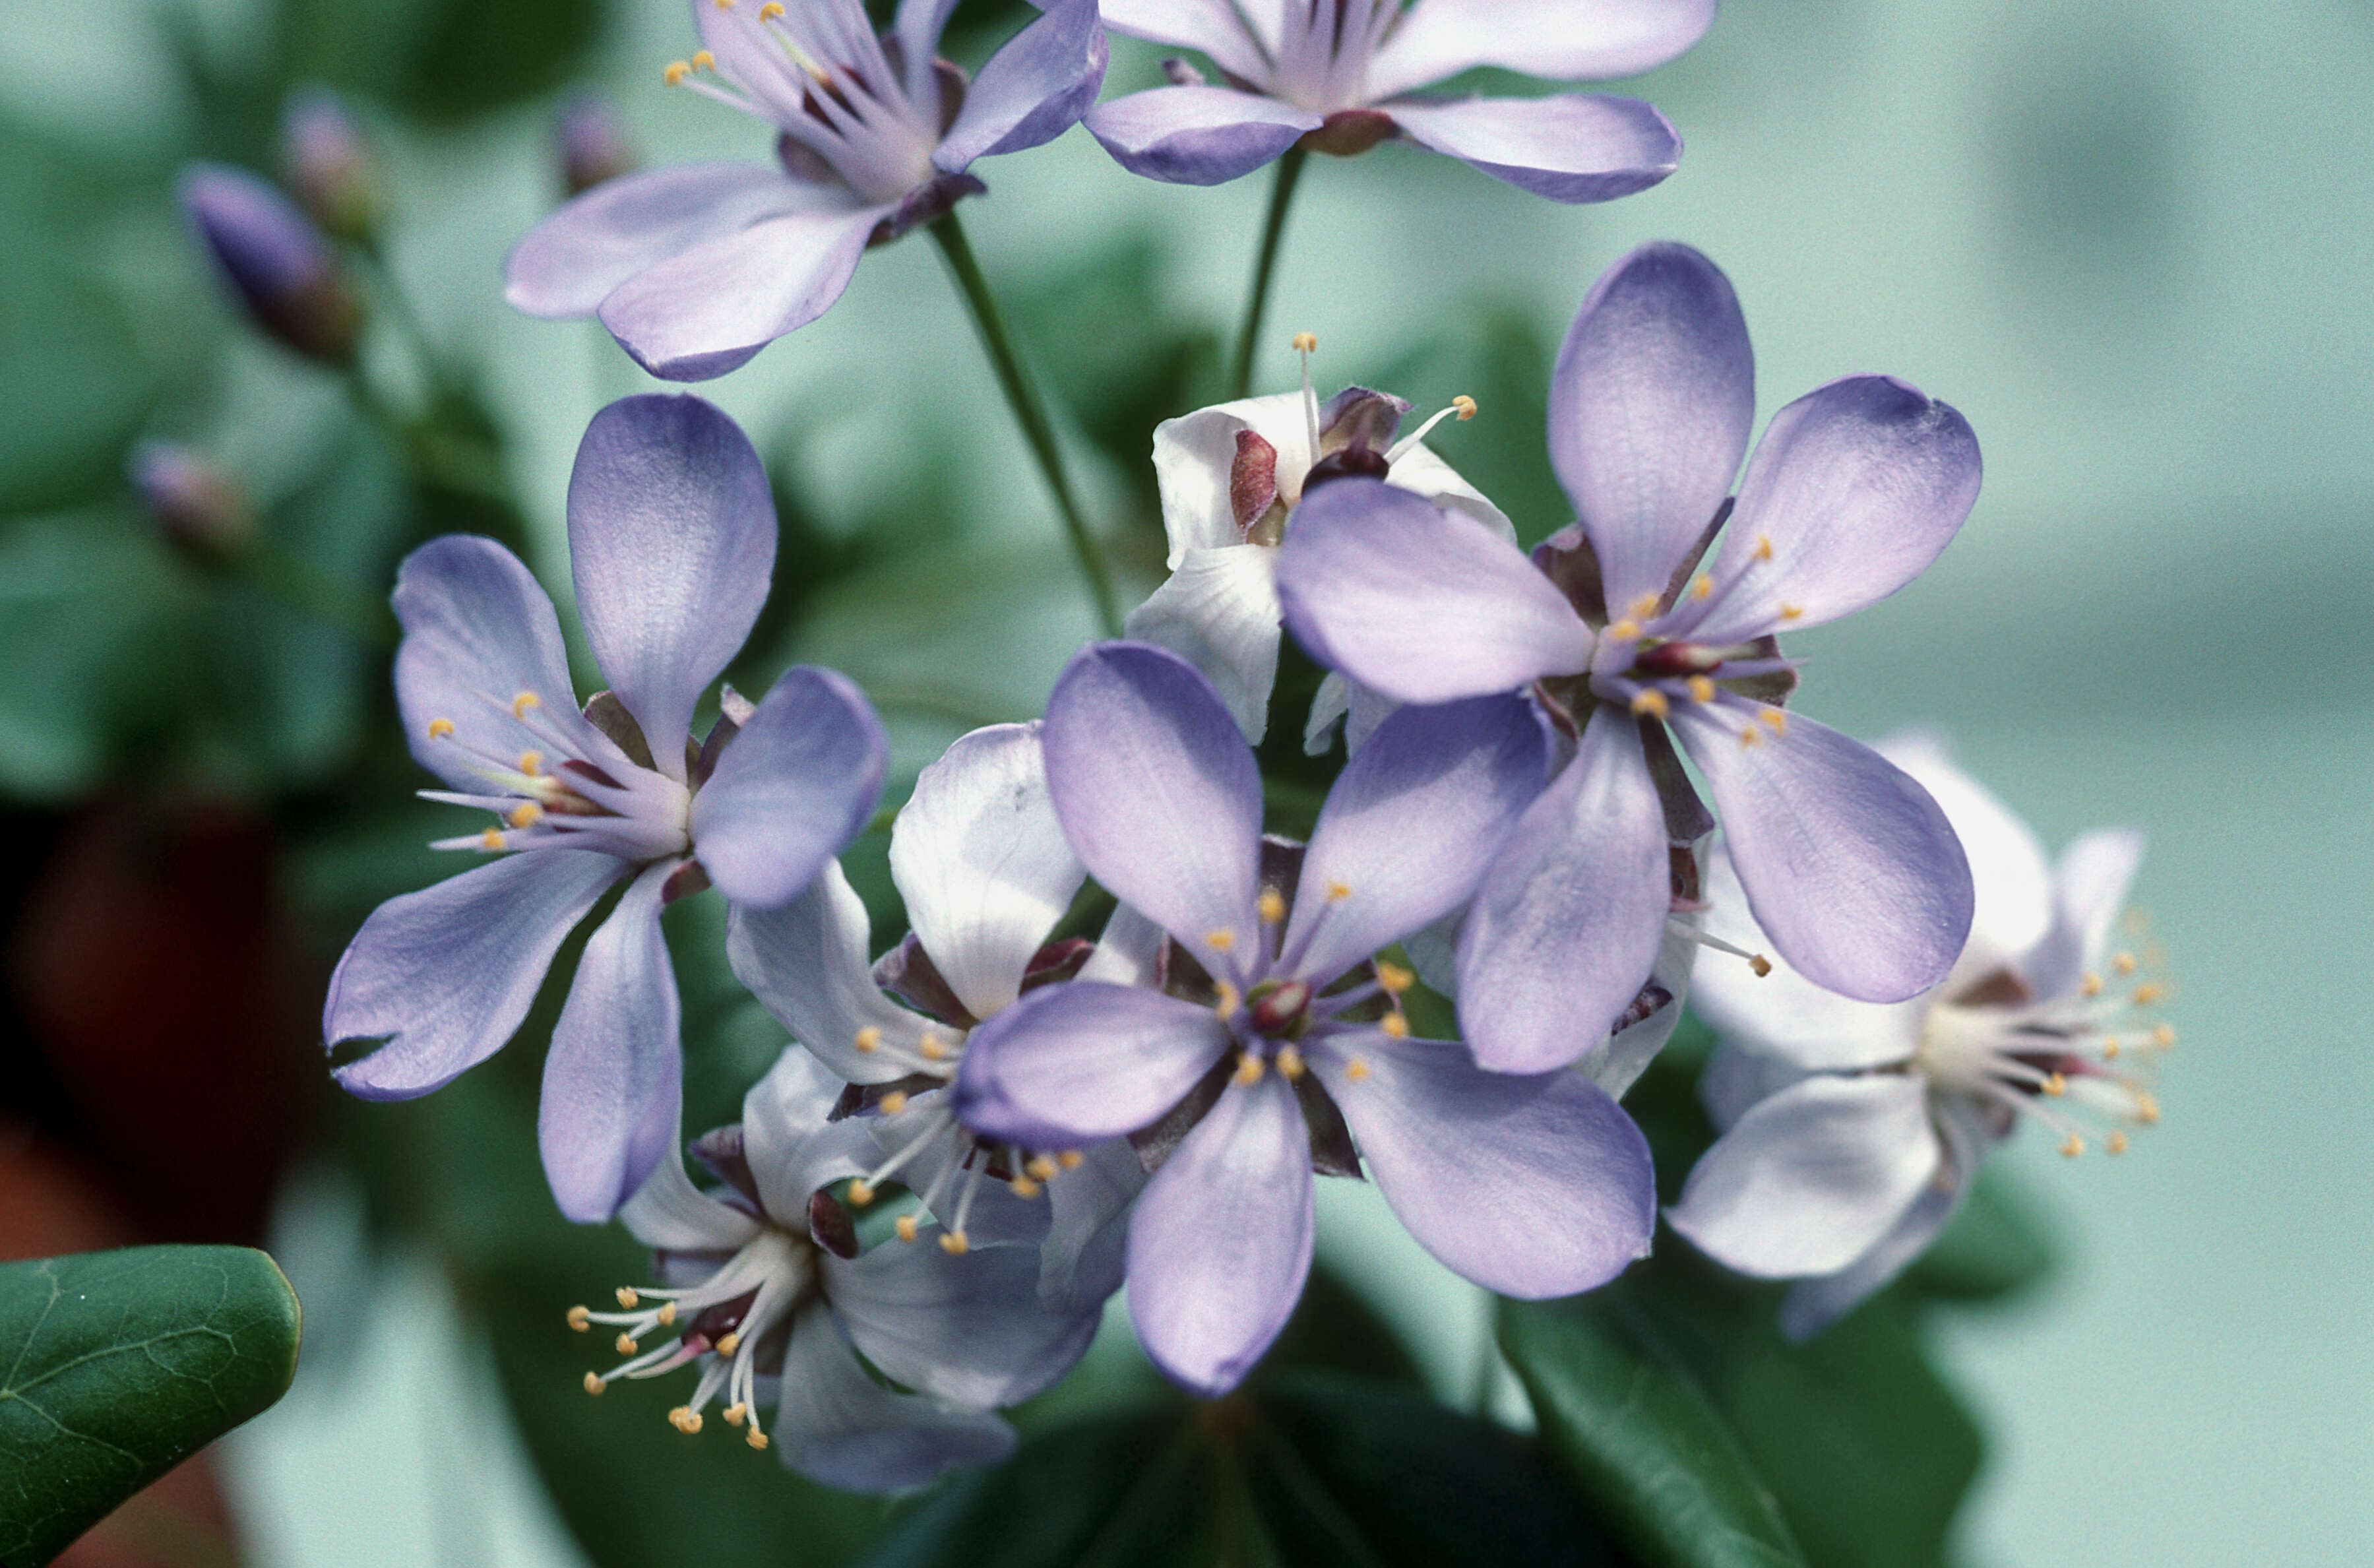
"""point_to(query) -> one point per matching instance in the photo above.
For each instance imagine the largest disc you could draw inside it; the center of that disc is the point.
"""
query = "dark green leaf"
(120, 1366)
(71, 378)
(1997, 1247)
(1627, 1413)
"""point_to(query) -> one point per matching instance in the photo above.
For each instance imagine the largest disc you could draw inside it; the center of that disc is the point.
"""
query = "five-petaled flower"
(1852, 1131)
(1338, 75)
(1847, 863)
(766, 1290)
(672, 539)
(695, 270)
(1299, 1053)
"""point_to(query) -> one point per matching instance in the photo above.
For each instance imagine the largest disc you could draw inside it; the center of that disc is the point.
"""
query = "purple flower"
(274, 261)
(1847, 863)
(1852, 1130)
(1336, 76)
(593, 144)
(671, 537)
(328, 162)
(1295, 1052)
(695, 270)
(767, 1292)
(194, 502)
(982, 864)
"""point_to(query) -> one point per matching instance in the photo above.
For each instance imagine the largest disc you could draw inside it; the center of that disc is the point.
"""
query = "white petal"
(1219, 612)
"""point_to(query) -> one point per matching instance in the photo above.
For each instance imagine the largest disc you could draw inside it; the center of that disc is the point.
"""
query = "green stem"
(295, 582)
(1281, 196)
(1027, 412)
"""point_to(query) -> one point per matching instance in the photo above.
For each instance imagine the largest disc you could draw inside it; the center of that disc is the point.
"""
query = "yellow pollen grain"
(1394, 978)
(933, 1049)
(1624, 630)
(1394, 1025)
(2146, 1109)
(593, 1384)
(1650, 704)
(1271, 906)
(524, 814)
(1701, 689)
(757, 1439)
(1220, 939)
(1774, 720)
(725, 4)
(1749, 739)
(906, 1227)
(2055, 1085)
(674, 72)
(729, 1344)
(869, 1039)
(439, 728)
(667, 1315)
(704, 61)
(2091, 985)
(1644, 606)
(531, 764)
(953, 1242)
(1249, 1069)
(2147, 994)
(490, 839)
(770, 10)
(691, 1424)
(623, 1344)
(1356, 1070)
(1041, 1167)
(1793, 612)
(1463, 407)
(1760, 965)
(1290, 1063)
(2123, 962)
(1337, 892)
(894, 1102)
(1070, 1159)
(733, 1414)
(1763, 546)
(626, 1297)
(2116, 1143)
(1703, 588)
(580, 1319)
(1226, 1000)
(523, 702)
(1304, 343)
(1023, 1187)
(861, 1192)
(2072, 1146)
(2110, 1049)
(2164, 1036)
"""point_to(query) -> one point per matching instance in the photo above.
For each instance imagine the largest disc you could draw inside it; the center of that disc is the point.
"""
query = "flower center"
(1323, 50)
(545, 797)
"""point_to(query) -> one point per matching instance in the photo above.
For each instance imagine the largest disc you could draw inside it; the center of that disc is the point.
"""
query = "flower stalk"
(1281, 198)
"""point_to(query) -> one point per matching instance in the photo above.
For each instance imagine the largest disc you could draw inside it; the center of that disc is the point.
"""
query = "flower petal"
(1651, 402)
(1616, 1062)
(449, 972)
(478, 630)
(1550, 39)
(1155, 788)
(806, 962)
(1214, 27)
(1422, 471)
(1423, 604)
(2012, 884)
(967, 1328)
(1568, 918)
(1580, 147)
(710, 308)
(1219, 611)
(612, 1081)
(1854, 489)
(1810, 1179)
(917, 29)
(836, 1425)
(569, 263)
(1220, 1243)
(1197, 136)
(1532, 1186)
(1411, 824)
(1813, 1304)
(668, 1213)
(1033, 90)
(1071, 1063)
(2090, 887)
(980, 861)
(1846, 862)
(796, 784)
(1086, 1252)
(792, 1147)
(672, 545)
(1194, 453)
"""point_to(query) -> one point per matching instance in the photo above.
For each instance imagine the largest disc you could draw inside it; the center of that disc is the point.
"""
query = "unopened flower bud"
(194, 504)
(327, 161)
(275, 261)
(593, 146)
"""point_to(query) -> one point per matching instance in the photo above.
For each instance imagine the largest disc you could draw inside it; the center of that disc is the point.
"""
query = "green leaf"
(71, 378)
(1624, 1409)
(120, 1366)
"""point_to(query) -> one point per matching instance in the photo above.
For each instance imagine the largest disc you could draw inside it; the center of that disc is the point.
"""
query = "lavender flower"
(982, 864)
(328, 162)
(593, 144)
(671, 537)
(194, 503)
(1532, 1186)
(767, 1292)
(1336, 76)
(1847, 863)
(1852, 1131)
(274, 261)
(695, 270)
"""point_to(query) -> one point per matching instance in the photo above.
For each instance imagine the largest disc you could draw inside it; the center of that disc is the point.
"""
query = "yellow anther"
(704, 61)
(1272, 905)
(627, 1298)
(439, 728)
(667, 1315)
(593, 1383)
(1703, 588)
(2164, 1036)
(524, 814)
(1749, 739)
(2116, 1143)
(2110, 1049)
(770, 10)
(531, 764)
(1624, 630)
(906, 1227)
(1701, 689)
(1290, 1063)
(490, 839)
(2091, 985)
(725, 4)
(1463, 407)
(893, 1102)
(676, 71)
(735, 1414)
(1394, 1025)
(1644, 606)
(1356, 1070)
(580, 1319)
(523, 702)
(2072, 1146)
(1304, 343)
(1226, 1000)
(1793, 612)
(2146, 1109)
(2123, 962)
(2147, 994)
(869, 1039)
(933, 1049)
(1041, 1167)
(728, 1344)
(861, 1192)
(1250, 1068)
(2054, 1084)
(1220, 939)
(1760, 965)
(1337, 892)
(1070, 1159)
(1023, 1187)
(623, 1344)
(757, 1439)
(686, 1420)
(1650, 704)
(953, 1242)
(1774, 719)
(1394, 978)
(1763, 546)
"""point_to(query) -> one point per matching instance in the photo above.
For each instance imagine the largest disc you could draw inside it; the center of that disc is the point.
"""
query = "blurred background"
(2129, 240)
